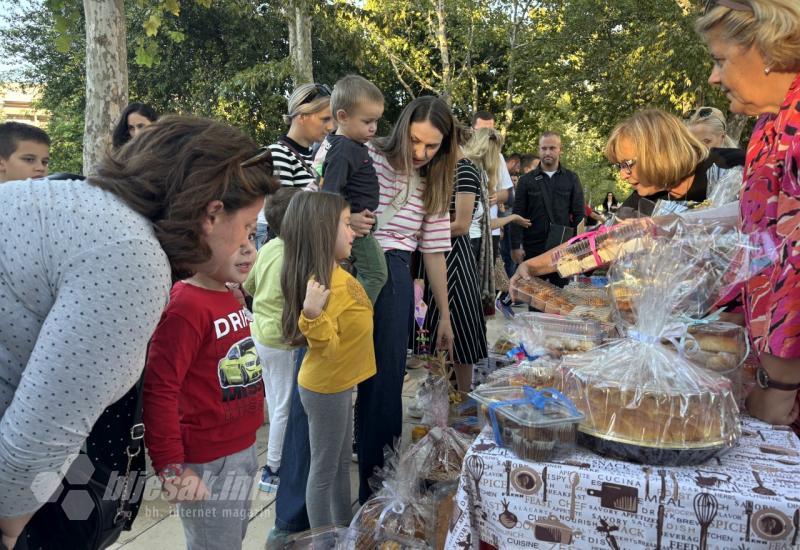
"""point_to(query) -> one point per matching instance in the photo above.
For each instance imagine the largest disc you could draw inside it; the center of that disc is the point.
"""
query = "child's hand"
(186, 487)
(316, 298)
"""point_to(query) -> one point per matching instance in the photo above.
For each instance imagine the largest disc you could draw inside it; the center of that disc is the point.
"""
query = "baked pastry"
(658, 417)
(398, 529)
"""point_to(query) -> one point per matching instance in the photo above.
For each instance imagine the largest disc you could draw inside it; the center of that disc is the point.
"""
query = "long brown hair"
(174, 169)
(438, 173)
(309, 235)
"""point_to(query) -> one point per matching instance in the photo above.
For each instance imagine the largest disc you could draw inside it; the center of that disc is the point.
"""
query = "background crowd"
(140, 266)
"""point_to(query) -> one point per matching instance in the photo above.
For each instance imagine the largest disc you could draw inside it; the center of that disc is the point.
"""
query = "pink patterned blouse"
(770, 200)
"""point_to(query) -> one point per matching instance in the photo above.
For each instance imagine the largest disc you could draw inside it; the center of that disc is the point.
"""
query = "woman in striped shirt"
(309, 119)
(415, 166)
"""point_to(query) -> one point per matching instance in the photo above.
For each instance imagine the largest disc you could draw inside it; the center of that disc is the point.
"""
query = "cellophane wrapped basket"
(645, 400)
(398, 515)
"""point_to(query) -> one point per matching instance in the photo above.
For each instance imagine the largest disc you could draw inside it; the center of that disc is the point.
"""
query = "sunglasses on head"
(703, 112)
(730, 4)
(261, 155)
(319, 90)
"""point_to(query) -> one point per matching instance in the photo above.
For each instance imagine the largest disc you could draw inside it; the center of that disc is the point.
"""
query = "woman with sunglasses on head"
(755, 45)
(708, 124)
(309, 120)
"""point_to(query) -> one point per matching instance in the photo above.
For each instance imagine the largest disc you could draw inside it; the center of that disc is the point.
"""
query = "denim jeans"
(379, 406)
(261, 235)
(290, 503)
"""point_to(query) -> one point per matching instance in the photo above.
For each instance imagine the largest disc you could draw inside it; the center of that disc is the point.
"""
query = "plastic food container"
(534, 424)
(560, 334)
(598, 248)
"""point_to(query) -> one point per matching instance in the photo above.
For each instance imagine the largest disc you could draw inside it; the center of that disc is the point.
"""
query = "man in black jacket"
(548, 195)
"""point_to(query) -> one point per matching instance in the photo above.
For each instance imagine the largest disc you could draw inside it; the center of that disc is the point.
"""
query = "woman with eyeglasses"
(755, 45)
(309, 120)
(661, 160)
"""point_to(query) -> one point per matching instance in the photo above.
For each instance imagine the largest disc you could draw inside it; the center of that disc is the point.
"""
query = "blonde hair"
(773, 26)
(352, 90)
(666, 151)
(439, 172)
(714, 119)
(483, 149)
(296, 105)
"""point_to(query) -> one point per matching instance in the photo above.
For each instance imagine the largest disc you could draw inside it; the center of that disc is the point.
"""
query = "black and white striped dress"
(288, 167)
(463, 290)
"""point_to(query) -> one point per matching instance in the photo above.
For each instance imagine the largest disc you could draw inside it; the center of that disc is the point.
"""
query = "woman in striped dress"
(469, 213)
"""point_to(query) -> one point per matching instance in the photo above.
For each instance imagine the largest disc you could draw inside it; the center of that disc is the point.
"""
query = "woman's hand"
(11, 529)
(186, 487)
(444, 337)
(316, 298)
(361, 223)
(776, 407)
(522, 274)
(519, 220)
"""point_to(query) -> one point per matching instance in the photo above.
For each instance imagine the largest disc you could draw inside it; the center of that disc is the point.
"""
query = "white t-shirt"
(550, 174)
(504, 183)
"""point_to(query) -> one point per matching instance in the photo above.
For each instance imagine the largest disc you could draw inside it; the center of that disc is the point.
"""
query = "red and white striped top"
(411, 220)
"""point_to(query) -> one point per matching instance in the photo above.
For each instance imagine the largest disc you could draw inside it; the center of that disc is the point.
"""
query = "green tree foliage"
(575, 66)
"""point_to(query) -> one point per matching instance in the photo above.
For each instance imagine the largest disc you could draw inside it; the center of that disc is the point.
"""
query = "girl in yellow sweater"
(328, 310)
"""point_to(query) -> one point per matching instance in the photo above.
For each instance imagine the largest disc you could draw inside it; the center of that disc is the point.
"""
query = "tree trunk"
(735, 126)
(106, 76)
(444, 52)
(298, 16)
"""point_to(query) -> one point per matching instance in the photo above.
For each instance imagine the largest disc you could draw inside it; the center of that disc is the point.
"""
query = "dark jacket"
(564, 195)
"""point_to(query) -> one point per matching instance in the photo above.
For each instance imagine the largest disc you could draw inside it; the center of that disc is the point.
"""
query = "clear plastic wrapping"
(535, 424)
(327, 538)
(645, 400)
(540, 373)
(598, 248)
(439, 455)
(543, 295)
(557, 335)
(398, 515)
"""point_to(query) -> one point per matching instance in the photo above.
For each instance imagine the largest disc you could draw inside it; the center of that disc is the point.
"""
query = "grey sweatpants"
(330, 432)
(220, 522)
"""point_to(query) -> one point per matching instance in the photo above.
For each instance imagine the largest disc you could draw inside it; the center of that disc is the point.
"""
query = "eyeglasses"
(730, 4)
(261, 155)
(626, 165)
(320, 90)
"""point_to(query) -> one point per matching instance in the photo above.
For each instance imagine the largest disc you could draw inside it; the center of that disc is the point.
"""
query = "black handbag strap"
(132, 450)
(311, 172)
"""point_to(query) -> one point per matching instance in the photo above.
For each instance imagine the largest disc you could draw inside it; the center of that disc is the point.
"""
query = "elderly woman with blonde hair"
(755, 45)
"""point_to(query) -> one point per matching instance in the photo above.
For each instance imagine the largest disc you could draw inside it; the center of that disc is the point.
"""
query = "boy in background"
(347, 169)
(24, 152)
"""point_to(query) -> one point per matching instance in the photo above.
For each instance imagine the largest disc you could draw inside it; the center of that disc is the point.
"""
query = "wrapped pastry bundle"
(594, 249)
(647, 401)
(398, 514)
(439, 454)
(558, 335)
(535, 424)
(539, 373)
(332, 538)
(443, 495)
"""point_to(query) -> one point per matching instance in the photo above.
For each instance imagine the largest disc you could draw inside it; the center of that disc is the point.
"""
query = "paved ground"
(157, 527)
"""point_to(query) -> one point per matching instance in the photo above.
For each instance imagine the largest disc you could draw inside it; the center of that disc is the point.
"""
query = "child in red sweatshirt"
(203, 391)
